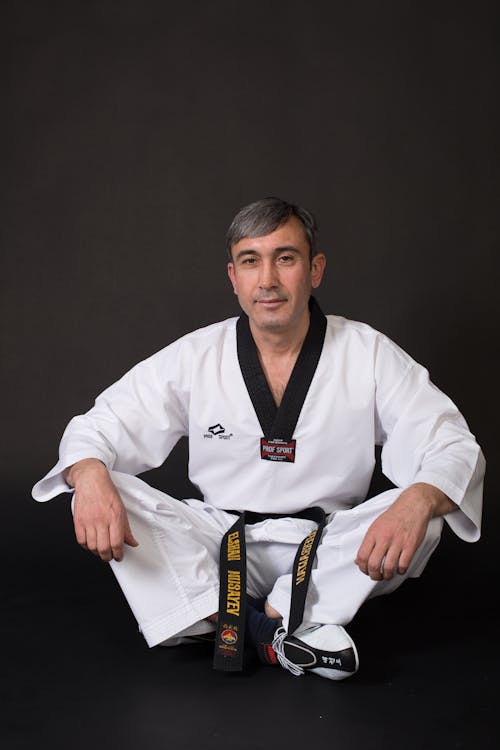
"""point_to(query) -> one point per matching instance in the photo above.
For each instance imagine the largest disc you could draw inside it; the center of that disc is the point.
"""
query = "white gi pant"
(171, 580)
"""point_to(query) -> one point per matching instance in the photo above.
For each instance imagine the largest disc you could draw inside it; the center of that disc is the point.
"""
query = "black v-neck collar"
(280, 423)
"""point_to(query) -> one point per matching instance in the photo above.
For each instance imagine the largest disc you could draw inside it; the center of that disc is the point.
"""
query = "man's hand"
(393, 538)
(99, 516)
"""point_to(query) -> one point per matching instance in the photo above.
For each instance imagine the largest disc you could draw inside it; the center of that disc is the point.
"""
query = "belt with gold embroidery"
(230, 634)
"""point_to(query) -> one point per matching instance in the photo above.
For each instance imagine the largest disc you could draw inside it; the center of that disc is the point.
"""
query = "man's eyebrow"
(242, 253)
(276, 251)
(286, 249)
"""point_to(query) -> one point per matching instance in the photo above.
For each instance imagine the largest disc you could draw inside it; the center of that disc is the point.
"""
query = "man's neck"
(280, 344)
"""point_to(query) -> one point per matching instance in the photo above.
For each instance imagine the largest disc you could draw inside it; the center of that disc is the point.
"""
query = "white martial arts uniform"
(365, 391)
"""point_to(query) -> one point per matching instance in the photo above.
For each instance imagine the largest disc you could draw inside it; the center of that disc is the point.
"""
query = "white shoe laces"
(279, 650)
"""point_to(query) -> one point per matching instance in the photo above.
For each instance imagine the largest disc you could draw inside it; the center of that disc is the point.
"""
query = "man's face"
(273, 275)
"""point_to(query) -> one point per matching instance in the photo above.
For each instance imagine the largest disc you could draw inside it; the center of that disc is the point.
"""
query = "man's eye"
(248, 261)
(285, 258)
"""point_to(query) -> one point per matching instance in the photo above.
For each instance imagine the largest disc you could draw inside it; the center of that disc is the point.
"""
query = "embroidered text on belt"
(230, 634)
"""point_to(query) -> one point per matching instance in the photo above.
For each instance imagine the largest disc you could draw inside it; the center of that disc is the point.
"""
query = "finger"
(363, 555)
(375, 563)
(128, 536)
(81, 536)
(116, 541)
(91, 539)
(389, 563)
(375, 574)
(103, 543)
(405, 560)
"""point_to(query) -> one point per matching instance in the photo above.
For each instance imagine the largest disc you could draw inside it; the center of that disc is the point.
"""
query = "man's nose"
(268, 275)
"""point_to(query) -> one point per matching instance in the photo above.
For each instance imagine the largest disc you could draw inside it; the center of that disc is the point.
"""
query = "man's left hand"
(393, 538)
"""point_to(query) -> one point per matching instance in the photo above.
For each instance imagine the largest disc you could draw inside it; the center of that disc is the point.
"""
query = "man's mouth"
(270, 302)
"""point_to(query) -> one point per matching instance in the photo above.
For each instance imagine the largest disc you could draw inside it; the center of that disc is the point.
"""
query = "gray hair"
(265, 216)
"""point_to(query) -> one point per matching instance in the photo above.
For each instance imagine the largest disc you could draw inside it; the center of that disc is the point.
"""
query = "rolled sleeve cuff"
(54, 484)
(465, 522)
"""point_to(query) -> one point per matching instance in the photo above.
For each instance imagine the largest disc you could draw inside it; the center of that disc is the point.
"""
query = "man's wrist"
(438, 503)
(73, 473)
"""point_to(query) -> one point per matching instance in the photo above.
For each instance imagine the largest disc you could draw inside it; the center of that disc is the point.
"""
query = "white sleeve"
(134, 423)
(426, 439)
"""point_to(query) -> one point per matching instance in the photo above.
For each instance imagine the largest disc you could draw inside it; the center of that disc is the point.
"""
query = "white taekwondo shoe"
(325, 650)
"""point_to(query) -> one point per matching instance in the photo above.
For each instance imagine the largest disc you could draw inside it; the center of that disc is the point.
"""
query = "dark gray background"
(134, 131)
(131, 133)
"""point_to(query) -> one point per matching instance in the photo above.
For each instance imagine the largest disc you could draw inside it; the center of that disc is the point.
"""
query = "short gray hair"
(265, 216)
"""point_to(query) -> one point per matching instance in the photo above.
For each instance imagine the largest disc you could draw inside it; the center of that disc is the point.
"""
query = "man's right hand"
(99, 515)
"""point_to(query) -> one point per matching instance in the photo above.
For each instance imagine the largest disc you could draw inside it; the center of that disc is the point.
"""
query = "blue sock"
(259, 627)
(257, 604)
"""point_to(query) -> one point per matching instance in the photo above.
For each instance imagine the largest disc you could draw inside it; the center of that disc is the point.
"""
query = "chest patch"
(277, 450)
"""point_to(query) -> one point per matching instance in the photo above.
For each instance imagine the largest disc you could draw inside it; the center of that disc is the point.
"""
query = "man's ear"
(232, 275)
(318, 265)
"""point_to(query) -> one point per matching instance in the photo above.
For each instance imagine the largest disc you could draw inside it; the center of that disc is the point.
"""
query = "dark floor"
(77, 674)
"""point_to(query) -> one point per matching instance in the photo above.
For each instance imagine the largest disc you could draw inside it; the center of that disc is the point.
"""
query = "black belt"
(230, 634)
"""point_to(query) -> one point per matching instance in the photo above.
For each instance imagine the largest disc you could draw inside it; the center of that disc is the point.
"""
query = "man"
(283, 408)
